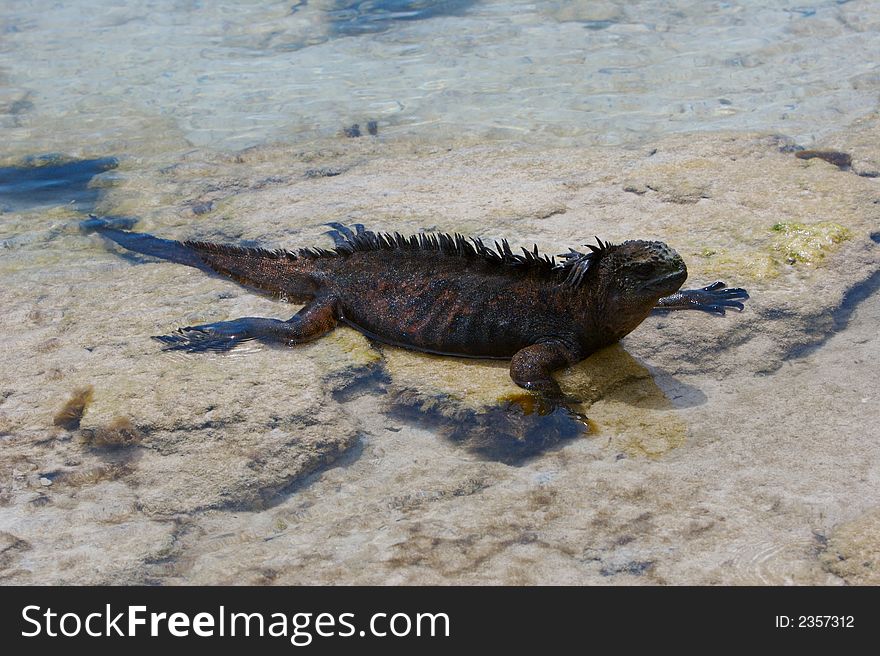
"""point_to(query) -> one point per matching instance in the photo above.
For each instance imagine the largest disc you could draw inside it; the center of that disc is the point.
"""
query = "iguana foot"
(715, 298)
(220, 336)
(543, 405)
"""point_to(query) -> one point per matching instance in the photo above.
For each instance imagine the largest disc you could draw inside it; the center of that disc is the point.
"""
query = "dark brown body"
(442, 304)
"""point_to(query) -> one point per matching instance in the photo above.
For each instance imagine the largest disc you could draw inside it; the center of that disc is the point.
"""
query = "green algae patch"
(807, 243)
(723, 264)
(117, 433)
(792, 243)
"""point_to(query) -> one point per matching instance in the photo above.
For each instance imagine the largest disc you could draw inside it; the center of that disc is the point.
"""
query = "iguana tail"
(282, 273)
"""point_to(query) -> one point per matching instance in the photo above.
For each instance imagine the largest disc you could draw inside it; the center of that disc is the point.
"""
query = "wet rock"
(855, 17)
(688, 476)
(326, 172)
(202, 208)
(254, 432)
(858, 141)
(512, 431)
(471, 402)
(590, 13)
(840, 160)
(11, 546)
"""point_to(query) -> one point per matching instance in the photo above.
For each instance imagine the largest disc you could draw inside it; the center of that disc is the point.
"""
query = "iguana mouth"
(667, 283)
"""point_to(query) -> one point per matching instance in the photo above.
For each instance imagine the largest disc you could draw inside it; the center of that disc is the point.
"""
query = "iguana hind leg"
(713, 298)
(315, 319)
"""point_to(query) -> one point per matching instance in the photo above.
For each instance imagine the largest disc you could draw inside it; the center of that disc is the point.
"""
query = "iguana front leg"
(312, 321)
(712, 298)
(532, 367)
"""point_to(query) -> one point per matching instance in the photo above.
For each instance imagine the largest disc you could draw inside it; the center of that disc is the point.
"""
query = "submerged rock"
(852, 550)
(220, 468)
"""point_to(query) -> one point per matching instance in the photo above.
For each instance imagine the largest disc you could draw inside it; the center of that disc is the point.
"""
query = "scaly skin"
(444, 294)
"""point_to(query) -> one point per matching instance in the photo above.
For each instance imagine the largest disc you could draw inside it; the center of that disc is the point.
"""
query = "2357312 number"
(826, 621)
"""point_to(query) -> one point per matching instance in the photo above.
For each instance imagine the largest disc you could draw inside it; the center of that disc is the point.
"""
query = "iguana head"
(625, 280)
(640, 272)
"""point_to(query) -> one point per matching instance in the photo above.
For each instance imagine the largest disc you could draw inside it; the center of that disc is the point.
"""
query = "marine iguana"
(444, 294)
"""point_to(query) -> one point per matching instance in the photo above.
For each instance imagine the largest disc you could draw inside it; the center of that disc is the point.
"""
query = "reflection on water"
(474, 404)
(502, 432)
(354, 18)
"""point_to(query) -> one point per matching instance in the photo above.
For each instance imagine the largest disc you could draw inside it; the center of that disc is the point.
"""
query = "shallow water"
(46, 181)
(229, 76)
(720, 450)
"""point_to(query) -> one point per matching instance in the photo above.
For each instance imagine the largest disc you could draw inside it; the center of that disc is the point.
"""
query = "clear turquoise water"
(140, 77)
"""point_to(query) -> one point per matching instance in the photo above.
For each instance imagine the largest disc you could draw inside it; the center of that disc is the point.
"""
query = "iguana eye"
(644, 270)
